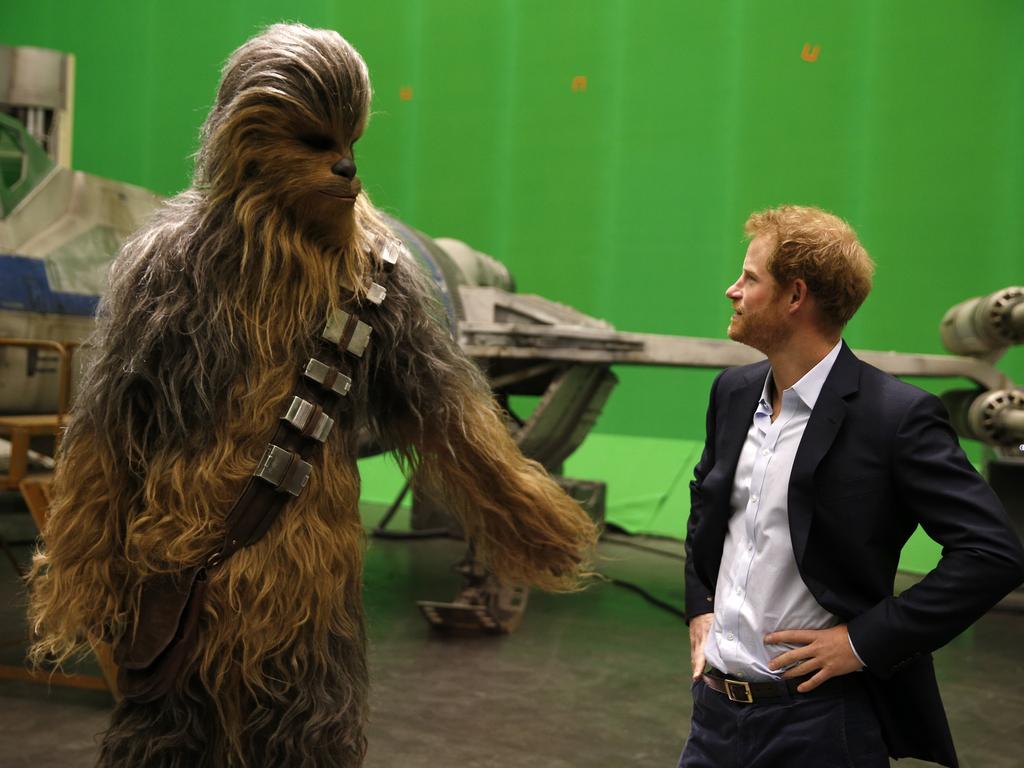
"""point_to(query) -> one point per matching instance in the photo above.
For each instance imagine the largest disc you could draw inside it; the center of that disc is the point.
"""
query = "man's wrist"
(854, 649)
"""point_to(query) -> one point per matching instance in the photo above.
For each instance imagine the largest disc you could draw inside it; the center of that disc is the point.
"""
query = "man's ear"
(797, 294)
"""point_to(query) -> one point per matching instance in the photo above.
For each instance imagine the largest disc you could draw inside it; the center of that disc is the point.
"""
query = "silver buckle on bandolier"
(389, 255)
(327, 377)
(284, 470)
(375, 293)
(301, 414)
(335, 328)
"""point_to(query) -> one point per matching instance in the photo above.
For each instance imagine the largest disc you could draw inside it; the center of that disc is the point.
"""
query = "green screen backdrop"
(609, 151)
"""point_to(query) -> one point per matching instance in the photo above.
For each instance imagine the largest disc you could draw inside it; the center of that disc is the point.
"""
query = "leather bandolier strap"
(285, 466)
(152, 656)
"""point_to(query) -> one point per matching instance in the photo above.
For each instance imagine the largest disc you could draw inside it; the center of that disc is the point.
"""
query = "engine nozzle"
(985, 325)
(995, 417)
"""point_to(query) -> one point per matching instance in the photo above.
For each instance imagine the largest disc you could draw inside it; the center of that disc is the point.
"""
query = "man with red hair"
(816, 470)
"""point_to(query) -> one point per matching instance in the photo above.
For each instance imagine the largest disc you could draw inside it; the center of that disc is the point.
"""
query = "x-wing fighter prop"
(60, 229)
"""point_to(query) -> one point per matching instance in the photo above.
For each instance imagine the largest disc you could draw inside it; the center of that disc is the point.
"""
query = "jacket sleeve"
(982, 558)
(700, 596)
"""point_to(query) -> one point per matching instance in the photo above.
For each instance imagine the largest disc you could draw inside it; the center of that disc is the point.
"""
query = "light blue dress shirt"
(759, 587)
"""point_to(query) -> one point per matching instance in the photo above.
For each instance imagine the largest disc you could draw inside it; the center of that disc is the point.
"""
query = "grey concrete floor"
(597, 679)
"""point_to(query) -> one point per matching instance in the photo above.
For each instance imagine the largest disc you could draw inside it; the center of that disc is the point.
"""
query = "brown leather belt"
(743, 692)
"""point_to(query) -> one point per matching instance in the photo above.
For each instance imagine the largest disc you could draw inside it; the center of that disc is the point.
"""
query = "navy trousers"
(834, 730)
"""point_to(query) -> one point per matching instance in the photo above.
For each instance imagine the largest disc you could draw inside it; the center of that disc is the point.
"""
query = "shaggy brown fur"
(210, 311)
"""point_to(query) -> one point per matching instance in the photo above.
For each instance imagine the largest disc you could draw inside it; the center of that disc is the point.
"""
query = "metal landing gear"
(482, 605)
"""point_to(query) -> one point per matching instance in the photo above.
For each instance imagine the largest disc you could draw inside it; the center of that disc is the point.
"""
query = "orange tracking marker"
(810, 54)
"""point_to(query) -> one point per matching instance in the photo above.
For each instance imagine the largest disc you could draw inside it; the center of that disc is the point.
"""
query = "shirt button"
(739, 590)
(750, 547)
(754, 498)
(730, 636)
(766, 452)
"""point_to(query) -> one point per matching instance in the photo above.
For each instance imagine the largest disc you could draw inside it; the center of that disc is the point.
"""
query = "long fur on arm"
(77, 580)
(434, 406)
(143, 397)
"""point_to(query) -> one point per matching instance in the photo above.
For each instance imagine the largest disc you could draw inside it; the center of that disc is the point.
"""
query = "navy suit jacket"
(877, 458)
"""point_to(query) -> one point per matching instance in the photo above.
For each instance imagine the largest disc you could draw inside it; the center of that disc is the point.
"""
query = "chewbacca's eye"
(319, 142)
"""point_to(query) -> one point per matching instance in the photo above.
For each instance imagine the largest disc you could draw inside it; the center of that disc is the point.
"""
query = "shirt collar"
(810, 384)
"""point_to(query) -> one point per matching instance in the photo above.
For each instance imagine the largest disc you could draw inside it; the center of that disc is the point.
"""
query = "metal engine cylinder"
(985, 324)
(995, 417)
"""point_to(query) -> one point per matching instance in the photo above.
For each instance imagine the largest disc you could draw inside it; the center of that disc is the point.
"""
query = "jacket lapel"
(819, 434)
(733, 416)
(739, 413)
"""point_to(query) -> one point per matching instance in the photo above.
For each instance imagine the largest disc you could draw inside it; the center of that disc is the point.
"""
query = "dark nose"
(344, 167)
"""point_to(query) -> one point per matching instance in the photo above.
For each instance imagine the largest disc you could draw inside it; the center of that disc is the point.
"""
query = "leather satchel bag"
(167, 629)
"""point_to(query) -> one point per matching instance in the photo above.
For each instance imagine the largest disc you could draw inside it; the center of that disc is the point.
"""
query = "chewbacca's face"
(323, 164)
(292, 104)
(305, 169)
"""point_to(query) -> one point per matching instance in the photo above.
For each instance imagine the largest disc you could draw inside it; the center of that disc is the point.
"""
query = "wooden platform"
(20, 430)
(35, 489)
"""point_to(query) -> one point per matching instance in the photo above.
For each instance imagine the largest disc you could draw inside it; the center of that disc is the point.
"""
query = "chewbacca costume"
(211, 314)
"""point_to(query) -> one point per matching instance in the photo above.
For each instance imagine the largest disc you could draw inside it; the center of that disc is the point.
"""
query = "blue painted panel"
(415, 242)
(24, 287)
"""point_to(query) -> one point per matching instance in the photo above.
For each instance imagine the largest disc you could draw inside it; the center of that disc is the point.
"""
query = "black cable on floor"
(428, 533)
(642, 547)
(618, 529)
(648, 597)
(392, 509)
